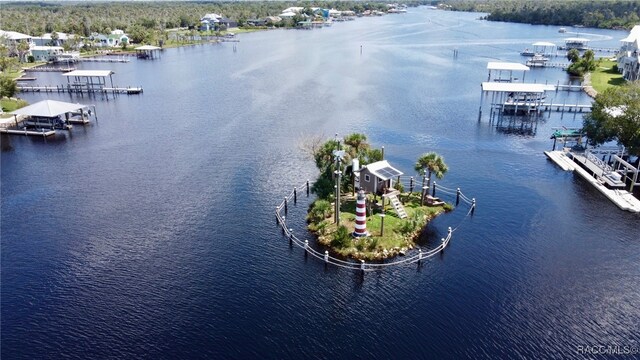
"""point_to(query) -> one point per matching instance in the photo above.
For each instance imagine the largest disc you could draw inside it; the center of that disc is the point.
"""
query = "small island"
(381, 213)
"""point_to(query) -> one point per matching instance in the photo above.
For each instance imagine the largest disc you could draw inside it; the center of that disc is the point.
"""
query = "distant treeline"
(607, 14)
(84, 18)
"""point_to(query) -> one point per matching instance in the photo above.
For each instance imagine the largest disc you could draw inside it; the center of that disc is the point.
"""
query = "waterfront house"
(111, 40)
(47, 39)
(46, 53)
(629, 56)
(377, 177)
(11, 39)
(213, 21)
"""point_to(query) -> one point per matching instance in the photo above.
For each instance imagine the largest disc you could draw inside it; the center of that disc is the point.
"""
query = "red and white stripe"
(361, 215)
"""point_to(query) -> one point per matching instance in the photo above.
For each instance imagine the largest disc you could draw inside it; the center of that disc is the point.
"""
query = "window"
(367, 178)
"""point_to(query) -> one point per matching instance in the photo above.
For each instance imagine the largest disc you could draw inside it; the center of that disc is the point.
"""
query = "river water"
(151, 233)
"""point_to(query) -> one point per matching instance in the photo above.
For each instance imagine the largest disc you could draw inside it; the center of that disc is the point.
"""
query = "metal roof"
(543, 43)
(48, 108)
(96, 73)
(576, 40)
(494, 65)
(383, 170)
(148, 47)
(516, 87)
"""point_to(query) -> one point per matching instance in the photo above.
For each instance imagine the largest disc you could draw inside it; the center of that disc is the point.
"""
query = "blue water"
(151, 233)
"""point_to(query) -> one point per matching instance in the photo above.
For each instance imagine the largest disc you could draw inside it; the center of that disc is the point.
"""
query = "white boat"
(537, 61)
(562, 30)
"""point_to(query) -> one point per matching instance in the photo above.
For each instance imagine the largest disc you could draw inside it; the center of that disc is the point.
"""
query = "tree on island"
(616, 116)
(433, 163)
(355, 146)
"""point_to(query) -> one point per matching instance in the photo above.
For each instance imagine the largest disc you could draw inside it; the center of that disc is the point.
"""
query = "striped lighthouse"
(361, 216)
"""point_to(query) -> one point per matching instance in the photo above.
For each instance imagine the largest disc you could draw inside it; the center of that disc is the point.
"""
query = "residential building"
(46, 53)
(629, 57)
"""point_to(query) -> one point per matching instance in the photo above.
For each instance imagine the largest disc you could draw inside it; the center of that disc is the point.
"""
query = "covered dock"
(543, 48)
(88, 80)
(515, 97)
(44, 117)
(576, 43)
(148, 52)
(497, 68)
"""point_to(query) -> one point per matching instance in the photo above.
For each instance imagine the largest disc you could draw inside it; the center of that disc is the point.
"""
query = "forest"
(84, 18)
(611, 14)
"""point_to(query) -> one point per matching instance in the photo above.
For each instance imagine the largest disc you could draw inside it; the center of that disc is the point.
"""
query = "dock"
(72, 89)
(42, 132)
(622, 198)
(103, 59)
(49, 69)
(561, 160)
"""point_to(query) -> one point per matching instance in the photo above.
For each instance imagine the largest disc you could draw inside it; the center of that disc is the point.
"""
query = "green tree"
(8, 86)
(54, 39)
(573, 55)
(616, 116)
(433, 163)
(357, 145)
(23, 49)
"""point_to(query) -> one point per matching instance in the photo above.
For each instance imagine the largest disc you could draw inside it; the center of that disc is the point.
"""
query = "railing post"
(410, 185)
(295, 195)
(285, 205)
(419, 256)
(433, 192)
(424, 195)
(308, 188)
(306, 248)
(457, 196)
(362, 265)
(473, 205)
(326, 256)
(290, 236)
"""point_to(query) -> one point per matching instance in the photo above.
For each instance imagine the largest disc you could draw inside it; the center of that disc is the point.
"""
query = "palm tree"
(433, 163)
(357, 143)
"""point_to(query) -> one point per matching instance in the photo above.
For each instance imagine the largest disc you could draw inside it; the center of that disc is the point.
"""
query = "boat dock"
(70, 89)
(85, 81)
(601, 179)
(49, 69)
(42, 132)
(102, 59)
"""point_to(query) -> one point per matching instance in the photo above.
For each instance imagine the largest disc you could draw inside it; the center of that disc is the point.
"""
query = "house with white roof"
(629, 57)
(11, 39)
(46, 39)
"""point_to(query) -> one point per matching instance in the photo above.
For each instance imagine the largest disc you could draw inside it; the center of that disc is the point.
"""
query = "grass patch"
(605, 76)
(9, 105)
(399, 234)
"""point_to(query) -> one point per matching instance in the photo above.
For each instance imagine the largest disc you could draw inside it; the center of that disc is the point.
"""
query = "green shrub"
(341, 238)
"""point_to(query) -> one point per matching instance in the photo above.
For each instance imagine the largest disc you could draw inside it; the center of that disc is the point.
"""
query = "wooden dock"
(101, 59)
(72, 89)
(49, 69)
(622, 198)
(25, 132)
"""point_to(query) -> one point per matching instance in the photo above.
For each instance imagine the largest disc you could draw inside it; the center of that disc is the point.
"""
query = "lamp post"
(382, 215)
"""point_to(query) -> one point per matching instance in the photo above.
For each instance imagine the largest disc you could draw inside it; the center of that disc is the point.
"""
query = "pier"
(85, 81)
(71, 90)
(103, 59)
(622, 198)
(49, 69)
